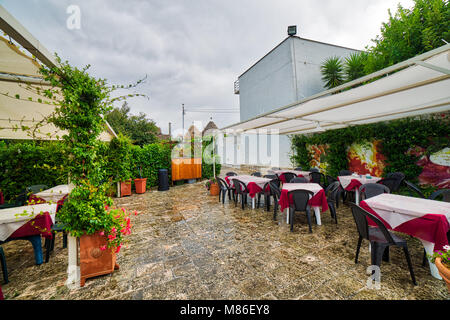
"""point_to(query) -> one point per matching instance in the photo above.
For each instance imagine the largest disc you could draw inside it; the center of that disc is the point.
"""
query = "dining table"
(254, 184)
(424, 219)
(353, 182)
(280, 173)
(317, 201)
(29, 223)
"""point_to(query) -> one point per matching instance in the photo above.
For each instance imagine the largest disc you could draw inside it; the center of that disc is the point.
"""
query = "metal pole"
(214, 158)
(182, 115)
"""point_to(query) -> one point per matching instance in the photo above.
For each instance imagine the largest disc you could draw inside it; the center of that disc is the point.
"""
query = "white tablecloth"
(12, 219)
(56, 193)
(345, 180)
(304, 174)
(260, 182)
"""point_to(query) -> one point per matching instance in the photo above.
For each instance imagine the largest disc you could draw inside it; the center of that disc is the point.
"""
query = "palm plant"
(332, 72)
(354, 66)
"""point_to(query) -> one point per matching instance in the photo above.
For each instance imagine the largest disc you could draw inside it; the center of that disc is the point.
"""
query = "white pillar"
(73, 269)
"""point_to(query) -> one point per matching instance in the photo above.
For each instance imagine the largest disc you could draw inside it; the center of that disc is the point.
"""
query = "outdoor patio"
(186, 245)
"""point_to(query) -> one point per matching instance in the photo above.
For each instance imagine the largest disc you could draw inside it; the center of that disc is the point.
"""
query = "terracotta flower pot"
(443, 271)
(214, 189)
(125, 188)
(94, 261)
(140, 184)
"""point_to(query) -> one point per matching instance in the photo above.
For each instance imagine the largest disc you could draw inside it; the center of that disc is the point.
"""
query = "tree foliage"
(332, 72)
(138, 128)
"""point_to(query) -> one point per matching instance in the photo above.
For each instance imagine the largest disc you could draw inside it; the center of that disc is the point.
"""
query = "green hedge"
(29, 163)
(397, 137)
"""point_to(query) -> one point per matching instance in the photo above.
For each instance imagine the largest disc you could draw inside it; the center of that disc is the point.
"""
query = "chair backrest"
(445, 193)
(316, 177)
(267, 184)
(288, 176)
(333, 192)
(360, 215)
(369, 190)
(300, 199)
(331, 187)
(21, 199)
(299, 169)
(239, 186)
(313, 170)
(345, 173)
(270, 176)
(299, 180)
(222, 183)
(231, 173)
(256, 174)
(36, 188)
(412, 187)
(275, 187)
(399, 176)
(330, 179)
(391, 183)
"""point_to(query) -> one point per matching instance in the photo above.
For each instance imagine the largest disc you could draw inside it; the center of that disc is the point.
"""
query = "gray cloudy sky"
(191, 50)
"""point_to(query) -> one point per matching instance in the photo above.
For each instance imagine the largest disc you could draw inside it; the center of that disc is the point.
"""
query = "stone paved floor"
(187, 245)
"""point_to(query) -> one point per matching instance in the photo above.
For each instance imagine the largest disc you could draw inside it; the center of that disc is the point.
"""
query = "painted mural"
(436, 166)
(318, 155)
(366, 158)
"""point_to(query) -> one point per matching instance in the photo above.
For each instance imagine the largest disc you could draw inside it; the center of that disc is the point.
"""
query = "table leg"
(357, 196)
(37, 247)
(317, 213)
(253, 202)
(429, 246)
(287, 215)
(73, 270)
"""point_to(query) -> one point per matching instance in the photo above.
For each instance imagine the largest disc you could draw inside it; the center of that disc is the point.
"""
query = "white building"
(288, 73)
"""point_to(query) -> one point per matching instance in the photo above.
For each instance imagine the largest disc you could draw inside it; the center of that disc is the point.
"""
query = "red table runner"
(283, 178)
(41, 224)
(252, 187)
(318, 200)
(430, 227)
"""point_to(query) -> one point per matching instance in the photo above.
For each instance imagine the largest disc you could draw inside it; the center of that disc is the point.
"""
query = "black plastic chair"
(313, 170)
(445, 193)
(3, 263)
(240, 189)
(332, 194)
(369, 190)
(391, 183)
(224, 189)
(231, 173)
(267, 191)
(380, 238)
(415, 190)
(276, 193)
(270, 176)
(19, 201)
(399, 176)
(317, 177)
(299, 169)
(299, 180)
(300, 200)
(256, 174)
(345, 173)
(288, 176)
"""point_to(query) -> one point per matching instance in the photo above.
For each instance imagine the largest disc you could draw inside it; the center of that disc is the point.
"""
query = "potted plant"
(81, 102)
(120, 162)
(140, 183)
(442, 261)
(213, 186)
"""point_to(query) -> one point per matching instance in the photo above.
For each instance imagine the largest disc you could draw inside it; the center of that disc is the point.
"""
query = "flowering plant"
(444, 255)
(121, 227)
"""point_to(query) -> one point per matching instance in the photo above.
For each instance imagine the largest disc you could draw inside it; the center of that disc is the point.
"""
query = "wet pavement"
(186, 245)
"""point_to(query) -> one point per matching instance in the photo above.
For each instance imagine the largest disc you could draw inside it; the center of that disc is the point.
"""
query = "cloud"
(191, 51)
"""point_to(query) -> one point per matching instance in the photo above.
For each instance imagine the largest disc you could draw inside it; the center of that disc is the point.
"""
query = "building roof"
(297, 37)
(210, 126)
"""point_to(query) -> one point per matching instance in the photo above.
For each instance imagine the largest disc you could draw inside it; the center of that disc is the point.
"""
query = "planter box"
(140, 184)
(125, 188)
(94, 261)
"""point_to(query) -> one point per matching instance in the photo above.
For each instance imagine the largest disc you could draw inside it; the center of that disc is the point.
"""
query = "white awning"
(418, 86)
(20, 105)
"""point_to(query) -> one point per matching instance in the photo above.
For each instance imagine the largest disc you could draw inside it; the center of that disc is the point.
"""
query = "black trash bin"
(163, 180)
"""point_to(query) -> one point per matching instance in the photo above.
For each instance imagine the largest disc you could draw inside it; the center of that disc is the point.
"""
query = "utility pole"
(182, 115)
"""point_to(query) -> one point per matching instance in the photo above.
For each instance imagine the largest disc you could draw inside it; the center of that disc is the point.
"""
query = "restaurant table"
(318, 200)
(424, 219)
(29, 223)
(56, 193)
(352, 183)
(254, 184)
(304, 174)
